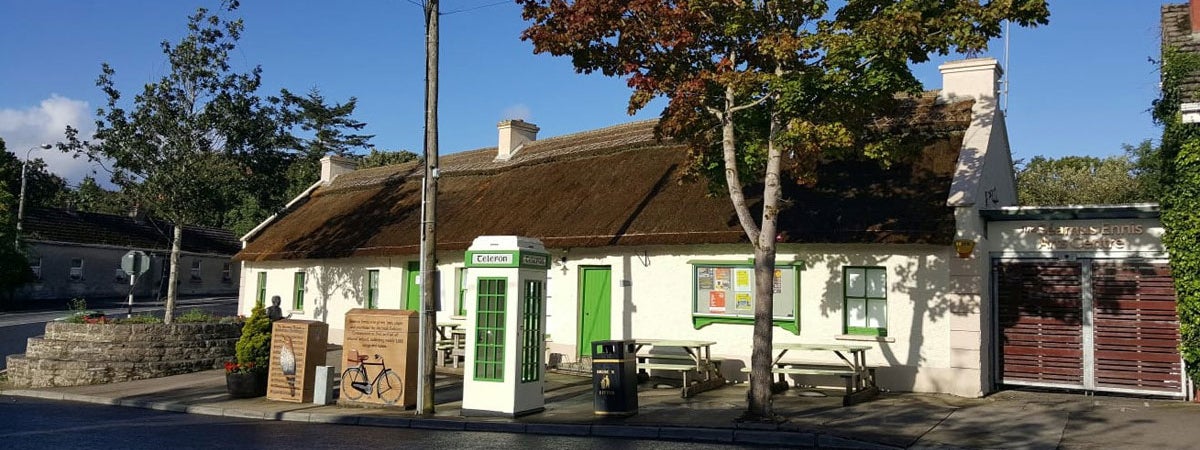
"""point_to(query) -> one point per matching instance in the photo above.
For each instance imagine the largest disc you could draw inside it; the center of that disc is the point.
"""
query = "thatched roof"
(63, 226)
(616, 186)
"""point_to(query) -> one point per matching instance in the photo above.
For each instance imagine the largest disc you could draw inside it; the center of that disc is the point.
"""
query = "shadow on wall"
(335, 279)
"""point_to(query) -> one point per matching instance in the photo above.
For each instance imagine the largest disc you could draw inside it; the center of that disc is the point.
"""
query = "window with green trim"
(531, 332)
(866, 300)
(724, 293)
(372, 289)
(298, 292)
(460, 299)
(489, 329)
(261, 299)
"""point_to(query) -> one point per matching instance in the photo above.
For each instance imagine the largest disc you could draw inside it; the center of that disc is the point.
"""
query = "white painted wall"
(652, 298)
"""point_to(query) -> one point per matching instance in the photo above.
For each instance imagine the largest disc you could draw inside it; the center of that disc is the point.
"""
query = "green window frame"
(531, 332)
(372, 289)
(490, 306)
(460, 300)
(864, 290)
(261, 299)
(724, 292)
(298, 292)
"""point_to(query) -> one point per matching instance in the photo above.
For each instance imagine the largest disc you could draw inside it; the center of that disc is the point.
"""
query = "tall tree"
(1147, 168)
(14, 269)
(378, 158)
(317, 129)
(42, 188)
(180, 148)
(1080, 180)
(90, 196)
(750, 81)
(331, 127)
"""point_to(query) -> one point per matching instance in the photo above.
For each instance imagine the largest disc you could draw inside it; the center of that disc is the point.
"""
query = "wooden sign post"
(297, 348)
(379, 358)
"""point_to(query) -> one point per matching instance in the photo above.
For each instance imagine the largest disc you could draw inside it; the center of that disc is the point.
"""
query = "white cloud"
(30, 127)
(518, 111)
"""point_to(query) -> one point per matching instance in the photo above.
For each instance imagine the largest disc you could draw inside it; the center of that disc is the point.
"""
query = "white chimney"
(333, 165)
(513, 135)
(977, 78)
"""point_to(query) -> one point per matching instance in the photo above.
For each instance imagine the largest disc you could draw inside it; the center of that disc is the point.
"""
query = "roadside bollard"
(323, 385)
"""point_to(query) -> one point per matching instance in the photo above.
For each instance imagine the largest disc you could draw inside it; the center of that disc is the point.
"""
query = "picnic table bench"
(858, 377)
(696, 358)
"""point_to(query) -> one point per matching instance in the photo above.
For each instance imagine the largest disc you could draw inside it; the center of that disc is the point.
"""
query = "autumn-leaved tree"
(763, 89)
(184, 146)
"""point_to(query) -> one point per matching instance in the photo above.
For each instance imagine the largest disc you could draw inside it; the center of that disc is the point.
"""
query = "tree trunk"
(759, 402)
(173, 277)
(764, 279)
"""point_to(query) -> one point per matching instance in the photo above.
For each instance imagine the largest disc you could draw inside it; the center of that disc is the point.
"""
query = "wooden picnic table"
(698, 357)
(451, 342)
(859, 377)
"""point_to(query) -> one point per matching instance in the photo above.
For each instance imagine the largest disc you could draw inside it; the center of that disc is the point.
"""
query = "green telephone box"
(506, 326)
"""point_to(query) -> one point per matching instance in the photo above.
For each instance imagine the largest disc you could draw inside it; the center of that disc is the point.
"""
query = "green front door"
(412, 293)
(595, 306)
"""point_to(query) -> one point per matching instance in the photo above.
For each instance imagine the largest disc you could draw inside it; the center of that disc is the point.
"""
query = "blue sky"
(1079, 86)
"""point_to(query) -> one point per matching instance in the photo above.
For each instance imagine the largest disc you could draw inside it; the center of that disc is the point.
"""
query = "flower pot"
(246, 384)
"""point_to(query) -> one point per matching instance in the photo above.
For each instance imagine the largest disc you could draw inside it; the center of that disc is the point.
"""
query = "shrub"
(254, 347)
(196, 316)
(143, 318)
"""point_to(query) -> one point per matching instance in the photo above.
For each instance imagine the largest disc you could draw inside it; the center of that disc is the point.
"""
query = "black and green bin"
(614, 378)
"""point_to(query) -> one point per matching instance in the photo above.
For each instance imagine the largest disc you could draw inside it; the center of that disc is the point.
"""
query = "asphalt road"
(43, 424)
(17, 327)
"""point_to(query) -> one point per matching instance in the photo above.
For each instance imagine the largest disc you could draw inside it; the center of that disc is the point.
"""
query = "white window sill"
(855, 337)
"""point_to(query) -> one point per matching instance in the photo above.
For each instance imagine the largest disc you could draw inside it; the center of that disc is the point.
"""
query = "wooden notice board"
(297, 348)
(387, 339)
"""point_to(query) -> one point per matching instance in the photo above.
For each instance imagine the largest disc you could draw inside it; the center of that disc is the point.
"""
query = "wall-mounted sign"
(1084, 237)
(522, 259)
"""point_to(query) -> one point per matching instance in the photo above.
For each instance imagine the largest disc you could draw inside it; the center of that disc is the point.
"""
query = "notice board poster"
(741, 280)
(716, 301)
(729, 291)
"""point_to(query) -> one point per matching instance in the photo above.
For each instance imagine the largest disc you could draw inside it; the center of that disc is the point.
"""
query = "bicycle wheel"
(349, 378)
(390, 386)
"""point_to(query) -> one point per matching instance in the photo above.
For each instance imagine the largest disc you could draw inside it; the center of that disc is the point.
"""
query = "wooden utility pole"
(429, 282)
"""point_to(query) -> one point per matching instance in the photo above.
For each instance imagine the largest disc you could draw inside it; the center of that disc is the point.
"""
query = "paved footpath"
(1010, 419)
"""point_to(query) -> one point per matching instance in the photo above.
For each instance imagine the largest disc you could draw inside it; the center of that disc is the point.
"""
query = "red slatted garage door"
(1136, 328)
(1041, 326)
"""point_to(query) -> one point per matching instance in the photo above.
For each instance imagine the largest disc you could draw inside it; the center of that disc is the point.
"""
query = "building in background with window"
(78, 255)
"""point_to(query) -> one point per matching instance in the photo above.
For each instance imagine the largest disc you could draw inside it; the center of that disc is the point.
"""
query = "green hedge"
(1180, 158)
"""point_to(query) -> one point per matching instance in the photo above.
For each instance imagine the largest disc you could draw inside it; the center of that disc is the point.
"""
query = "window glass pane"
(856, 312)
(460, 301)
(877, 313)
(876, 283)
(855, 283)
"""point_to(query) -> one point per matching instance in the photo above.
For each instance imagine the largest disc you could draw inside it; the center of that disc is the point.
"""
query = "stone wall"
(72, 354)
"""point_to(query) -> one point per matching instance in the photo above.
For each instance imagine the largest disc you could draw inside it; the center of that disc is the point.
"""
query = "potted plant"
(247, 377)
